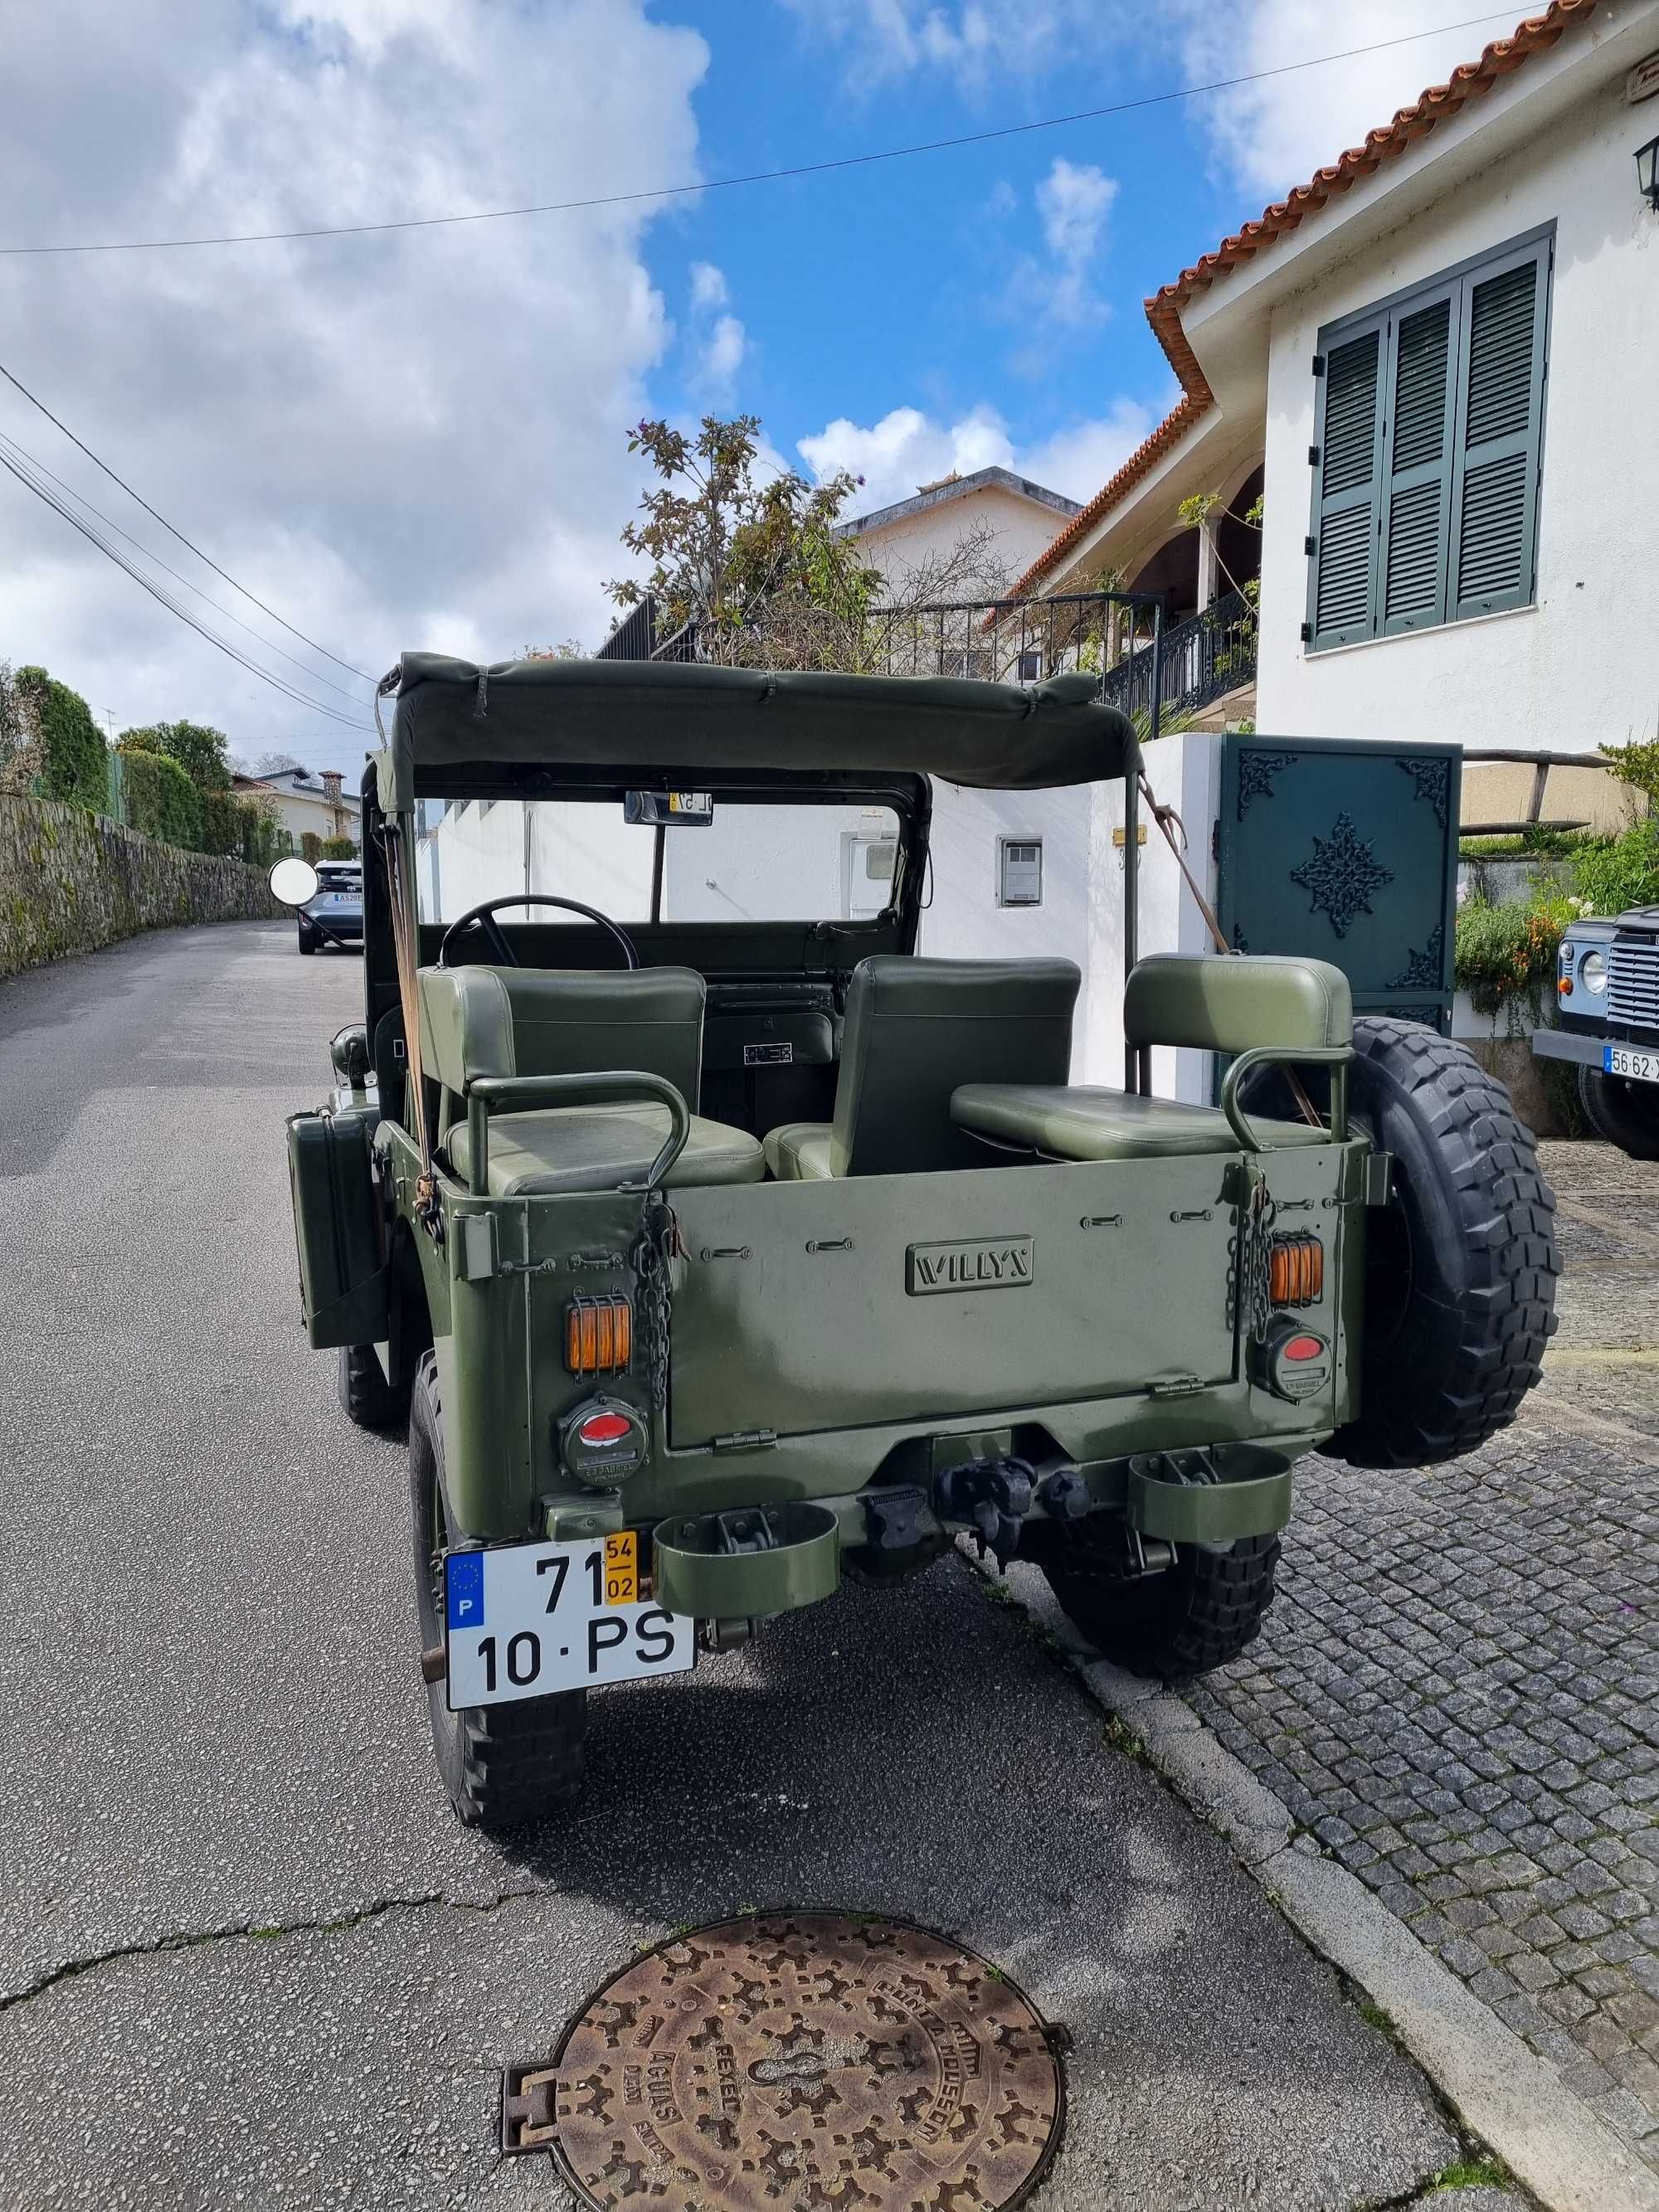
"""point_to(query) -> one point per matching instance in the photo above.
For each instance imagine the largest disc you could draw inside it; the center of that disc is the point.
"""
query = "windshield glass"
(751, 863)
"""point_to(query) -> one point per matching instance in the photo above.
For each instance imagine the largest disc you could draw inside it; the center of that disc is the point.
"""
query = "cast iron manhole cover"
(798, 2061)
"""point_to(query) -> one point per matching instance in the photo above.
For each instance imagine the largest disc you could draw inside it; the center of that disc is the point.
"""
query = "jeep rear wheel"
(503, 1765)
(1620, 1112)
(1199, 1612)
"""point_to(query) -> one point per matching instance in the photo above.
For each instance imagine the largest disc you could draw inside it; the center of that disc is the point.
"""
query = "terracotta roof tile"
(1536, 35)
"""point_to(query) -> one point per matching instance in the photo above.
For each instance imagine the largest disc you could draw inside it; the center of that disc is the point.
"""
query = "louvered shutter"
(1420, 428)
(1498, 436)
(1348, 436)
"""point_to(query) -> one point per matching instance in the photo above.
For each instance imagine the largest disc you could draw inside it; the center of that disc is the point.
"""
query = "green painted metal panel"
(1348, 852)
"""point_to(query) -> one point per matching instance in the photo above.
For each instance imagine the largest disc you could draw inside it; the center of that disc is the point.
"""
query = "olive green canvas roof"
(671, 720)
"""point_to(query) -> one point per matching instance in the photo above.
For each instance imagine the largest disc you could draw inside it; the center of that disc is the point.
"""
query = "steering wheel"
(482, 918)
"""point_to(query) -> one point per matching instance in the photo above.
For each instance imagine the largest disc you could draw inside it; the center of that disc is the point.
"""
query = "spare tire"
(1461, 1265)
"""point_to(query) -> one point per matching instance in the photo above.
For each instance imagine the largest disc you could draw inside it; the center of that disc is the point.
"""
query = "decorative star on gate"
(1342, 875)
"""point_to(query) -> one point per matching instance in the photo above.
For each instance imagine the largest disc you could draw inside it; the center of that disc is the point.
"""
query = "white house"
(919, 535)
(319, 804)
(1435, 360)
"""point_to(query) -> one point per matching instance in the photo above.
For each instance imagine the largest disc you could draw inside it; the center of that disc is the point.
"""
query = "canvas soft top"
(675, 722)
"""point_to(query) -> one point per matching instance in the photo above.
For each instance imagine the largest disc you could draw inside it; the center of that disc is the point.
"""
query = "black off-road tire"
(1461, 1265)
(366, 1396)
(1620, 1112)
(1194, 1617)
(504, 1766)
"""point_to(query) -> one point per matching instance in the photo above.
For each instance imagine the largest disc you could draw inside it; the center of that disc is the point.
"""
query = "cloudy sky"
(418, 438)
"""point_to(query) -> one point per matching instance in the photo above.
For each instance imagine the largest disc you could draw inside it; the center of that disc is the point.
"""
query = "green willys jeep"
(713, 1258)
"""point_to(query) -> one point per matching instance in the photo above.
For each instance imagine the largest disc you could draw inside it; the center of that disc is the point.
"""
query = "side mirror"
(349, 1050)
(293, 882)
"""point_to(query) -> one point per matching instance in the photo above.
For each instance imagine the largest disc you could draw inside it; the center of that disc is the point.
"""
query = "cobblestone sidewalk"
(1457, 1691)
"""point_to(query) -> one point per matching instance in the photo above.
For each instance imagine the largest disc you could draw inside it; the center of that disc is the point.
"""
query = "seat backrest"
(548, 1021)
(1227, 1002)
(916, 1029)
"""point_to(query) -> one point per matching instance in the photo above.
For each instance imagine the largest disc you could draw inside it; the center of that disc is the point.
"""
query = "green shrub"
(162, 800)
(311, 847)
(1612, 873)
(1506, 955)
(74, 765)
(199, 750)
(342, 848)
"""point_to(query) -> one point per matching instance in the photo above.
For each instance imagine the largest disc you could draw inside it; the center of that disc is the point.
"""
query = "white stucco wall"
(1020, 528)
(1577, 669)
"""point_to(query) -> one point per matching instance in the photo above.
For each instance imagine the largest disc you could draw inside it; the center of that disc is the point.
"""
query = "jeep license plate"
(525, 1620)
(1622, 1059)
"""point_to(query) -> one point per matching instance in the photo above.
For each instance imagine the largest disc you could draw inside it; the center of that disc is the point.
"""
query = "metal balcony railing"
(1204, 656)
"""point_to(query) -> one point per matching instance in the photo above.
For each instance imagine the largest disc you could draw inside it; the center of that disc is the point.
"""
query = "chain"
(657, 1247)
(1250, 1272)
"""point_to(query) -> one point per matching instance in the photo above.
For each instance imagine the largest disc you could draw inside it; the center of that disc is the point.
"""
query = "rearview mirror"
(668, 810)
(294, 881)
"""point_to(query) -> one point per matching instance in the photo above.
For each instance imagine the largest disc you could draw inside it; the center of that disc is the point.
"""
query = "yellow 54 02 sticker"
(622, 1568)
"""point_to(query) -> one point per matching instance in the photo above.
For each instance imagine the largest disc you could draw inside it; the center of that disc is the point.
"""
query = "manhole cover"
(804, 2060)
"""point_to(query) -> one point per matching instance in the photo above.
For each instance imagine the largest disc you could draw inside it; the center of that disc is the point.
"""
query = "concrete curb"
(1514, 2101)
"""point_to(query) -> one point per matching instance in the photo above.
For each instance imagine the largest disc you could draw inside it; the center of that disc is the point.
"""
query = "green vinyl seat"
(914, 1029)
(571, 1148)
(1086, 1124)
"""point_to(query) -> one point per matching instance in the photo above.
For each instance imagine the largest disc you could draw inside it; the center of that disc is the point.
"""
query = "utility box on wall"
(1346, 851)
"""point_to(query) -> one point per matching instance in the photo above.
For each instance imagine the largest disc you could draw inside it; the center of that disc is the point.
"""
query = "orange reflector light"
(1564, 985)
(598, 1335)
(1297, 1270)
(1303, 1347)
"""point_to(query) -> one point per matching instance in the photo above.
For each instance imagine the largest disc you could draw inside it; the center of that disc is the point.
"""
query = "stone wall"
(70, 881)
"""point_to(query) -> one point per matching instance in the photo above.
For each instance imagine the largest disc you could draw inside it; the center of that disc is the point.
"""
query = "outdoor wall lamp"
(1647, 172)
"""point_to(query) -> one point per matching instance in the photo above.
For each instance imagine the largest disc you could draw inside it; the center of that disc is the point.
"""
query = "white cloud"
(1269, 136)
(709, 289)
(1074, 202)
(719, 341)
(722, 356)
(979, 44)
(907, 448)
(412, 439)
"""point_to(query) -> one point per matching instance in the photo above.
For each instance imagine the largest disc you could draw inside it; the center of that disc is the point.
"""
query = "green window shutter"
(1348, 429)
(1420, 431)
(1499, 434)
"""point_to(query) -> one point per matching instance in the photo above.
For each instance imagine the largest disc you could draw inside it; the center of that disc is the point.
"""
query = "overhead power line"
(772, 176)
(177, 575)
(28, 474)
(41, 407)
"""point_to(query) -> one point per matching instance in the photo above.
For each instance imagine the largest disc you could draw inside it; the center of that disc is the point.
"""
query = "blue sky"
(983, 280)
(418, 438)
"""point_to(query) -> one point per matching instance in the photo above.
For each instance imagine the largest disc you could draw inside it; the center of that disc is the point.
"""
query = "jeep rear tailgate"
(829, 1305)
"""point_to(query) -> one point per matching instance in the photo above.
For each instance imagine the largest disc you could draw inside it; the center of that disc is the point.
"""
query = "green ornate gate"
(1345, 851)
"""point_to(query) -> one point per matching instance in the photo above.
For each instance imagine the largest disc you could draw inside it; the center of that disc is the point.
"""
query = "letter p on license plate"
(527, 1620)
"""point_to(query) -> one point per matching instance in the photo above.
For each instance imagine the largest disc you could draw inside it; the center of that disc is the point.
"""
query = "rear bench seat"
(1066, 1124)
(596, 1148)
(1218, 1002)
(484, 1021)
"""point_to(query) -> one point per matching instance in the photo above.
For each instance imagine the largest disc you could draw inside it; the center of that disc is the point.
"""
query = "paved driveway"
(1458, 1689)
(246, 1957)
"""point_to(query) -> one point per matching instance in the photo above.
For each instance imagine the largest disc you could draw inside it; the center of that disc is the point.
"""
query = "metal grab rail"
(1336, 1057)
(525, 1093)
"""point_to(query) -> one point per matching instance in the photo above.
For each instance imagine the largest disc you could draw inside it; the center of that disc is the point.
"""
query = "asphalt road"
(246, 1955)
